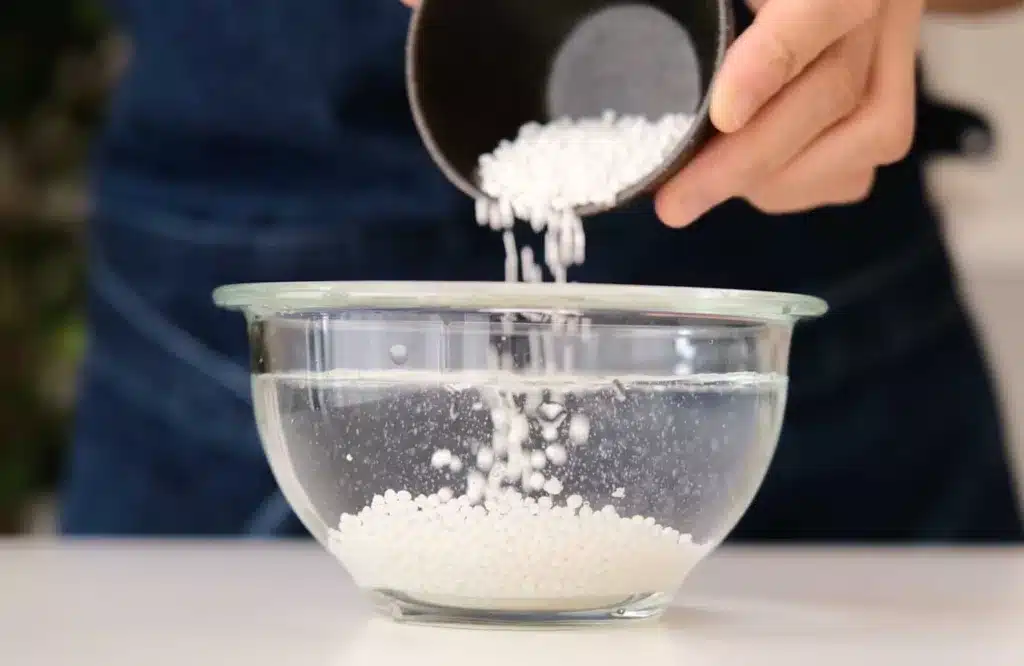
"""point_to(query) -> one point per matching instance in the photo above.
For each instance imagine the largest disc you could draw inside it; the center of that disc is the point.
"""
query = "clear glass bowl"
(490, 452)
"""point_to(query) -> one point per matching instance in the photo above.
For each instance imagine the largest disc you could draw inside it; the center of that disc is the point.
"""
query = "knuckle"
(767, 206)
(771, 202)
(849, 13)
(859, 188)
(848, 86)
(894, 137)
(776, 200)
(756, 168)
(782, 55)
(746, 167)
(867, 185)
(865, 9)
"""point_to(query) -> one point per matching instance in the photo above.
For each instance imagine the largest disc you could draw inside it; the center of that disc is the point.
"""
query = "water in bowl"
(511, 493)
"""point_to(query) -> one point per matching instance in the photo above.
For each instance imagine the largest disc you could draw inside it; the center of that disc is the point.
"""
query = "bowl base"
(531, 614)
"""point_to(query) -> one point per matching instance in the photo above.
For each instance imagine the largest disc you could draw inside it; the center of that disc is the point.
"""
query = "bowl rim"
(268, 298)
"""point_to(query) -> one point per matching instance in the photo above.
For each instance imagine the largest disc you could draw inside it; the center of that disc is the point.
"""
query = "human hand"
(811, 100)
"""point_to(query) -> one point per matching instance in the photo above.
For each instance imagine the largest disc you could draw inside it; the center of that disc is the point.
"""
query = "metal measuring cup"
(477, 70)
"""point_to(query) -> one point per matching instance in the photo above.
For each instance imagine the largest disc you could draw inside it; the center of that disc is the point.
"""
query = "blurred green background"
(57, 60)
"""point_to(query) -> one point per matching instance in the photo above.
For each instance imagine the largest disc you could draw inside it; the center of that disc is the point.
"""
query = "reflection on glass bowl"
(381, 641)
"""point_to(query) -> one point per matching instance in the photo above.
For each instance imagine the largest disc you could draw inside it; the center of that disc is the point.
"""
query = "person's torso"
(263, 140)
(273, 104)
(271, 140)
(296, 111)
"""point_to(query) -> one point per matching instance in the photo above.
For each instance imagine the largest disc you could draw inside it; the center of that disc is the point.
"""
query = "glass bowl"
(520, 453)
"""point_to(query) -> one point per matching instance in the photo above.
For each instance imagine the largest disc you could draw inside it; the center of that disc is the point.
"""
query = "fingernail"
(732, 110)
(744, 108)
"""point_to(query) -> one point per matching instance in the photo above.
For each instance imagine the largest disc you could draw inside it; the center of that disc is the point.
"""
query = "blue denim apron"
(265, 140)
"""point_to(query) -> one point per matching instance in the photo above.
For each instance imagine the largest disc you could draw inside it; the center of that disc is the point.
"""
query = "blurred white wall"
(982, 63)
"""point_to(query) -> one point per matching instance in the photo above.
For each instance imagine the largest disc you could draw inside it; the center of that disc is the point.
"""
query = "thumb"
(411, 3)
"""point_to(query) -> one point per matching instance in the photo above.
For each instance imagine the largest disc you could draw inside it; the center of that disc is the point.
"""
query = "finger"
(789, 194)
(730, 165)
(786, 37)
(411, 3)
(882, 130)
(892, 92)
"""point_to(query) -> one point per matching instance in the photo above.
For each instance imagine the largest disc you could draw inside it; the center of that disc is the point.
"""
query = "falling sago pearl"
(549, 171)
(441, 458)
(484, 459)
(552, 486)
(550, 411)
(557, 454)
(399, 354)
(579, 428)
(412, 544)
(518, 430)
(476, 484)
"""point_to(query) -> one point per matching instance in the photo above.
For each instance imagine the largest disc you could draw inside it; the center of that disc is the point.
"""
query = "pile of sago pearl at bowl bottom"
(498, 546)
(514, 554)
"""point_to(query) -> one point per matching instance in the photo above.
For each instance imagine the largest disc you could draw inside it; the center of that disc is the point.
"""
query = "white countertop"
(280, 604)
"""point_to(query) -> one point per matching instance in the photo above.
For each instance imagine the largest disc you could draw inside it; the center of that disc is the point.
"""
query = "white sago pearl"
(550, 410)
(484, 458)
(579, 428)
(518, 430)
(499, 441)
(549, 170)
(476, 484)
(552, 486)
(557, 454)
(542, 177)
(482, 212)
(441, 458)
(516, 554)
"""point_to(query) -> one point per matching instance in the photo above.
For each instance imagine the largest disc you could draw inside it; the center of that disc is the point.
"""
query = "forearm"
(971, 6)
